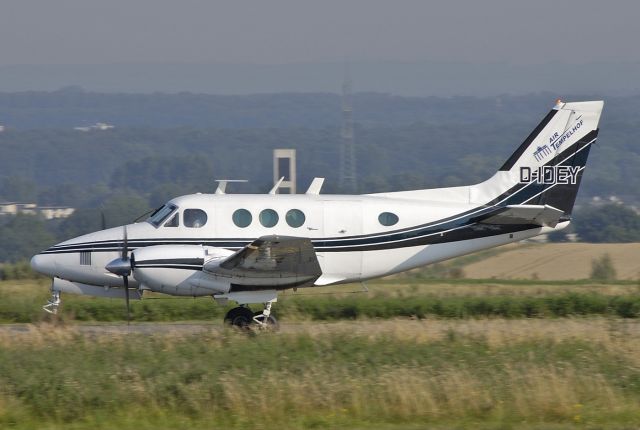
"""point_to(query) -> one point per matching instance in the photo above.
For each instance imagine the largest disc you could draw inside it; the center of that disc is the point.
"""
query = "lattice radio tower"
(348, 178)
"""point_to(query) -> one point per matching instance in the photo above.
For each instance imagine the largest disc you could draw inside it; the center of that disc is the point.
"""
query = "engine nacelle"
(177, 269)
(64, 286)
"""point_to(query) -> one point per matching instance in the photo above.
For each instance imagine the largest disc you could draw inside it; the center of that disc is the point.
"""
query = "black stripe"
(527, 142)
(188, 261)
(474, 231)
(171, 266)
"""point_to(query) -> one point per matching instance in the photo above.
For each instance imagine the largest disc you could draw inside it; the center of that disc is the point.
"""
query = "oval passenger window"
(194, 218)
(295, 218)
(387, 218)
(269, 217)
(242, 218)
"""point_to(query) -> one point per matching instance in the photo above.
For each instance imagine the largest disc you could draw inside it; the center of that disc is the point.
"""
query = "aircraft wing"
(270, 260)
(542, 215)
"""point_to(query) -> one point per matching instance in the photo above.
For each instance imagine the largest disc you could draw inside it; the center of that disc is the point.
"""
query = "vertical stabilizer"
(547, 167)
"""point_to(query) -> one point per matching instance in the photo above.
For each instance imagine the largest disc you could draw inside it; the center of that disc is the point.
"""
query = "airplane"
(246, 248)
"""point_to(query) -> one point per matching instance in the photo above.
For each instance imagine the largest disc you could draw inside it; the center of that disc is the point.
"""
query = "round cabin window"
(269, 218)
(295, 218)
(388, 218)
(242, 218)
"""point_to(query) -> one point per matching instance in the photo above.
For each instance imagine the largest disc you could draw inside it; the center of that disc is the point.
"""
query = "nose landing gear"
(53, 303)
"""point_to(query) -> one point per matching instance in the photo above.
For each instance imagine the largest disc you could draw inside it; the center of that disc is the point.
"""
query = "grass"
(21, 301)
(535, 373)
(408, 354)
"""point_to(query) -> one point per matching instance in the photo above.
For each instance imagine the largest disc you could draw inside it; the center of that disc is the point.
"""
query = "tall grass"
(467, 374)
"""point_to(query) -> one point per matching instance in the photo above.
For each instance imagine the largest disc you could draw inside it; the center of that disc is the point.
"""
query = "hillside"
(401, 142)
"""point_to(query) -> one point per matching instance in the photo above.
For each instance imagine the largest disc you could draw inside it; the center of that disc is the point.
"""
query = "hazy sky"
(286, 31)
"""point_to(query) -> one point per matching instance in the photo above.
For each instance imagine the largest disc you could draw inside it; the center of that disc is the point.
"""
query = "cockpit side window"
(173, 222)
(194, 218)
(162, 214)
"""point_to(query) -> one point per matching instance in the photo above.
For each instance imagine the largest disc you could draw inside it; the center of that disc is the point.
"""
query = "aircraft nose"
(43, 263)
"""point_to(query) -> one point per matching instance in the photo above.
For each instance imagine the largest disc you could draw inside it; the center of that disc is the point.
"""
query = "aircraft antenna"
(348, 178)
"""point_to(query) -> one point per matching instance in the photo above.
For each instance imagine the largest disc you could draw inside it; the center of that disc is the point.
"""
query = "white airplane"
(246, 248)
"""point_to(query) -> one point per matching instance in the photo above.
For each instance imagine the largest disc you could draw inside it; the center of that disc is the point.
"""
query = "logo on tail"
(541, 152)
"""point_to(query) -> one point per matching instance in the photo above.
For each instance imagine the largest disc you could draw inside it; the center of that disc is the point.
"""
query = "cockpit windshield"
(161, 214)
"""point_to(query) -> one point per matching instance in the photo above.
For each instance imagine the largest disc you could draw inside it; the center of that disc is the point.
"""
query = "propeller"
(122, 267)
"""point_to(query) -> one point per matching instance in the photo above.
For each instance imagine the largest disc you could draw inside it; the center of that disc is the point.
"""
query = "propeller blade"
(103, 220)
(123, 266)
(125, 244)
(126, 295)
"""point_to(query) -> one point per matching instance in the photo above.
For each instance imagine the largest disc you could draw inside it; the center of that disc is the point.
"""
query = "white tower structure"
(284, 166)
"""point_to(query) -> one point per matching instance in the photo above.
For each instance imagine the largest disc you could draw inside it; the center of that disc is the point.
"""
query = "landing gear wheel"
(241, 317)
(271, 323)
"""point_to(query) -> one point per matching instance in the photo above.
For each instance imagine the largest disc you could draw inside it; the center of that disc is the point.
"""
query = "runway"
(122, 328)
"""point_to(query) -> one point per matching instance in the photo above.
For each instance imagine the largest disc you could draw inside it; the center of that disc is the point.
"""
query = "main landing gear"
(244, 318)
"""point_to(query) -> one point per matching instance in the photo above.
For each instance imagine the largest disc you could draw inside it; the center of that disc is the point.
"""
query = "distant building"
(47, 212)
(56, 212)
(15, 208)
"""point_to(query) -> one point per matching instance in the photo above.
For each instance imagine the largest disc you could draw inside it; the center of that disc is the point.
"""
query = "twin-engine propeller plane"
(247, 248)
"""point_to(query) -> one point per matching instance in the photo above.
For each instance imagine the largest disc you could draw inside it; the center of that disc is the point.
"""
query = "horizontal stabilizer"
(281, 261)
(542, 215)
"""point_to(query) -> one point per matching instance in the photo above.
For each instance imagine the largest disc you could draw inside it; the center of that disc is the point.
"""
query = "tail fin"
(547, 168)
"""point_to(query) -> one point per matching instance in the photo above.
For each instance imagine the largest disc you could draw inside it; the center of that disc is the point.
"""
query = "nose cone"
(120, 266)
(44, 263)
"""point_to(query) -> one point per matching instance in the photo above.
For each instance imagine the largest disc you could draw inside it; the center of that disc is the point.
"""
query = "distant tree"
(124, 208)
(74, 195)
(372, 184)
(407, 181)
(162, 193)
(610, 223)
(82, 221)
(561, 235)
(145, 175)
(602, 269)
(119, 209)
(18, 270)
(18, 189)
(22, 237)
(557, 236)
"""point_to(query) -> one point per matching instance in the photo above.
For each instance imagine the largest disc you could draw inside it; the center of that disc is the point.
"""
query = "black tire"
(272, 322)
(240, 317)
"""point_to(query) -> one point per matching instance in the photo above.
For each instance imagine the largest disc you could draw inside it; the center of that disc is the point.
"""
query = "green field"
(533, 355)
(21, 301)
